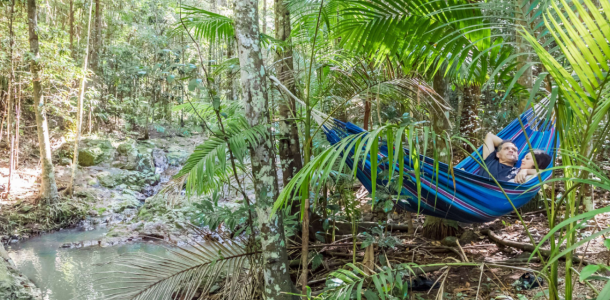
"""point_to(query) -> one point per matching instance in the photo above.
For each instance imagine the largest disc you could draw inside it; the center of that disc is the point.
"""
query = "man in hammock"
(501, 162)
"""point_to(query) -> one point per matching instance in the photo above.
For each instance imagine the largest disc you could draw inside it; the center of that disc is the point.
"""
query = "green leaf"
(370, 295)
(171, 78)
(588, 271)
(607, 243)
(193, 83)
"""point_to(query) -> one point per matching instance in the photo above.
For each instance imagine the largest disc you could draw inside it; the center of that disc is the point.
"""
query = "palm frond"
(206, 167)
(208, 25)
(189, 271)
(582, 39)
(388, 283)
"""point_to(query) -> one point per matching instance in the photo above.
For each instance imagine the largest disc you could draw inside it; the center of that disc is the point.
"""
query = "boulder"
(124, 201)
(176, 156)
(92, 152)
(159, 160)
(135, 156)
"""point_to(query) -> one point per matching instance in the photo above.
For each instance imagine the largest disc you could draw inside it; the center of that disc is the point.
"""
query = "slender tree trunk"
(367, 114)
(71, 24)
(17, 125)
(523, 47)
(289, 146)
(48, 186)
(10, 101)
(79, 108)
(437, 228)
(253, 82)
(264, 17)
(97, 36)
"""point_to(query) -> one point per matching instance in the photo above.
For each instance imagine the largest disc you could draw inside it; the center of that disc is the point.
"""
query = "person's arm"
(491, 142)
(523, 173)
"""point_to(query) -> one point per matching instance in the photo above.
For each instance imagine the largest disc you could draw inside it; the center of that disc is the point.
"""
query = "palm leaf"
(189, 271)
(207, 25)
(206, 167)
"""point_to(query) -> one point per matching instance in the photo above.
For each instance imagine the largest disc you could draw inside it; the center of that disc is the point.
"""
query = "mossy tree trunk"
(48, 189)
(255, 98)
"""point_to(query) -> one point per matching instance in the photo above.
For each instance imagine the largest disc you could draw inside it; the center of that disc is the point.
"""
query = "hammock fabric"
(473, 199)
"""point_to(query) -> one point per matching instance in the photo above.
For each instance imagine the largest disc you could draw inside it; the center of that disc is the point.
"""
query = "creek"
(64, 274)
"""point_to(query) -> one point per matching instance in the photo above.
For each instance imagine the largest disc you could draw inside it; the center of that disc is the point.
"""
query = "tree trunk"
(367, 114)
(97, 36)
(522, 47)
(437, 228)
(470, 124)
(71, 24)
(10, 100)
(254, 93)
(79, 109)
(48, 186)
(289, 146)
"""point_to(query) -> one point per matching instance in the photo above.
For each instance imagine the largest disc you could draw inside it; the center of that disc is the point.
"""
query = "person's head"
(542, 158)
(507, 153)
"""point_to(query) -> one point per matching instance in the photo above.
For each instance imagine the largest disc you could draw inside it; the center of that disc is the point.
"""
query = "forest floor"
(105, 195)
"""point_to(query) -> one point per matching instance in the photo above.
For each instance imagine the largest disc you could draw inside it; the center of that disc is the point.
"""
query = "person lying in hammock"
(501, 162)
(528, 167)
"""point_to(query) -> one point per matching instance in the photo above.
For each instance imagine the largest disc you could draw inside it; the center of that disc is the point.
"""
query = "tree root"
(529, 247)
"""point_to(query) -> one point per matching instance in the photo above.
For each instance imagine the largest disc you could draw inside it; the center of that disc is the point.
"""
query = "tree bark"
(289, 145)
(470, 123)
(523, 47)
(97, 36)
(254, 93)
(437, 228)
(71, 24)
(79, 109)
(48, 188)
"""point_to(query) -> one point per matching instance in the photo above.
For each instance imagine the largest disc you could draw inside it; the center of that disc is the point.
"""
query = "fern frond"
(185, 273)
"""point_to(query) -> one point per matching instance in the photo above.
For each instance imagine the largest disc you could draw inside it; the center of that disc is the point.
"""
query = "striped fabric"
(473, 199)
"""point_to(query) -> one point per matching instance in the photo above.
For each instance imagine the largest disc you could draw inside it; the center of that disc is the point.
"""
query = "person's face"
(527, 162)
(508, 154)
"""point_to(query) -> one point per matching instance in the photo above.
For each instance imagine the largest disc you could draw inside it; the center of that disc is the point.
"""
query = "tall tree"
(470, 123)
(438, 228)
(97, 41)
(71, 24)
(289, 146)
(79, 107)
(254, 95)
(9, 97)
(48, 188)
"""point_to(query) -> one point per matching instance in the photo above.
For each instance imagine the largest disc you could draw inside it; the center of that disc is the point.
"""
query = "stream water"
(64, 274)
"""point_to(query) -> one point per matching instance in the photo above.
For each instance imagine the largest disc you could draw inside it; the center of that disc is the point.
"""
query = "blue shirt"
(500, 171)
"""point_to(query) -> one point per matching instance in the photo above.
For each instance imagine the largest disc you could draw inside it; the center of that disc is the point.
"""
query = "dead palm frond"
(200, 270)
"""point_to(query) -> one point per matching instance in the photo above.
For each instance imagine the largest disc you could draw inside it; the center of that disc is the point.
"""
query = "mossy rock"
(109, 180)
(135, 156)
(93, 152)
(126, 200)
(176, 156)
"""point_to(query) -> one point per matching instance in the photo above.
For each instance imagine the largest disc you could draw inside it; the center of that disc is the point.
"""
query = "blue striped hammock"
(473, 199)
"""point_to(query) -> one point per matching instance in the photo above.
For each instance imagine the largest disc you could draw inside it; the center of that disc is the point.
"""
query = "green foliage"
(388, 283)
(208, 164)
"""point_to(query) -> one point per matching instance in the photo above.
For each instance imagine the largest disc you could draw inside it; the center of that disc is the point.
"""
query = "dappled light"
(318, 149)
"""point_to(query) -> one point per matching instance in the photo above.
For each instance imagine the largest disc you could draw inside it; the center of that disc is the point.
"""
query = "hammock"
(473, 199)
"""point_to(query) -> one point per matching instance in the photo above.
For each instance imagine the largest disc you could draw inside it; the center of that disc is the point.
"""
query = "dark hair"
(542, 159)
(504, 142)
